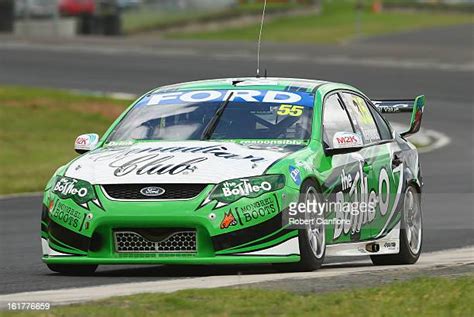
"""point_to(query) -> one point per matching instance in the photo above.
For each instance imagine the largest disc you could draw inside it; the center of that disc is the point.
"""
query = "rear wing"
(414, 106)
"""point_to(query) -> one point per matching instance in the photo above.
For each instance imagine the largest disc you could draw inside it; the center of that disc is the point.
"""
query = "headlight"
(234, 189)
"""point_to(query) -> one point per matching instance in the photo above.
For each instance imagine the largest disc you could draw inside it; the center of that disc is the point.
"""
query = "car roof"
(261, 83)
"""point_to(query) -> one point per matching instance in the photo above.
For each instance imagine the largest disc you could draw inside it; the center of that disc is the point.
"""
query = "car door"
(380, 169)
(338, 187)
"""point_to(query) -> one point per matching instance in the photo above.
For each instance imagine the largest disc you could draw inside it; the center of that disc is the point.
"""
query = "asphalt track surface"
(438, 63)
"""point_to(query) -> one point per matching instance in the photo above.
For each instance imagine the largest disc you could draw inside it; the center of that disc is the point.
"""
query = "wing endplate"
(415, 107)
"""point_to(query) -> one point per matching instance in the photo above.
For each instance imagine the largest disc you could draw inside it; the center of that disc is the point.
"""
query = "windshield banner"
(305, 99)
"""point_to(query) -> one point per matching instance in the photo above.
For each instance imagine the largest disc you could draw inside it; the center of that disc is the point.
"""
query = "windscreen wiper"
(211, 126)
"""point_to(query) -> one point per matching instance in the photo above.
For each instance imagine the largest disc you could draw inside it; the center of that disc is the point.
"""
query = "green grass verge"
(144, 19)
(336, 23)
(419, 297)
(430, 5)
(37, 132)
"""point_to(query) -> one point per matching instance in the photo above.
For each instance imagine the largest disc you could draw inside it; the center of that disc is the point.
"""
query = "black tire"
(309, 261)
(72, 269)
(406, 254)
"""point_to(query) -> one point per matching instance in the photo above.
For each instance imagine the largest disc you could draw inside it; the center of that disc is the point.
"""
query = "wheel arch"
(412, 179)
(311, 178)
(415, 184)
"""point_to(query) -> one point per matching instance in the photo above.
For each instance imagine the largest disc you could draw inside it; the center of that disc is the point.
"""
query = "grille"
(171, 191)
(148, 242)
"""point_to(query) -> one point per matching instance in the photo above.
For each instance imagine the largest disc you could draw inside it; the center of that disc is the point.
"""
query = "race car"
(240, 171)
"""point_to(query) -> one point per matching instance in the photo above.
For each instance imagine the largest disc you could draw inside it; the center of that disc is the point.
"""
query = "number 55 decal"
(294, 111)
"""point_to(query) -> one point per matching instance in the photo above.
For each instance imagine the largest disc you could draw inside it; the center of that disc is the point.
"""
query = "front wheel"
(411, 232)
(311, 239)
(72, 269)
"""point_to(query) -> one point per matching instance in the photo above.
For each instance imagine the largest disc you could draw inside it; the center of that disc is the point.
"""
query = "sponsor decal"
(154, 164)
(307, 165)
(81, 192)
(361, 107)
(257, 210)
(67, 215)
(232, 190)
(219, 151)
(162, 160)
(152, 191)
(272, 145)
(346, 140)
(250, 213)
(272, 142)
(295, 175)
(388, 106)
(244, 188)
(247, 96)
(228, 220)
(81, 140)
(390, 245)
(86, 141)
(120, 143)
(355, 190)
(51, 204)
(397, 107)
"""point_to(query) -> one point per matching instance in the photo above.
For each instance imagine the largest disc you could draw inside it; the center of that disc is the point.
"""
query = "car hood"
(198, 162)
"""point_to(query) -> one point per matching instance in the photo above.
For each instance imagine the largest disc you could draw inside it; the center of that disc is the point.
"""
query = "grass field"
(419, 297)
(145, 19)
(37, 132)
(336, 23)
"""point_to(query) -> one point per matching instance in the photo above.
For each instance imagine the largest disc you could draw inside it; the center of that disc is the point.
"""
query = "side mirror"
(345, 142)
(86, 142)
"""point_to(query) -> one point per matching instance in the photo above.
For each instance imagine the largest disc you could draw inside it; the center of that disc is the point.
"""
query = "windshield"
(249, 114)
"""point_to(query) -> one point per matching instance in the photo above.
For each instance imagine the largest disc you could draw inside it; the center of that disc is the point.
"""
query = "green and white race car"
(240, 171)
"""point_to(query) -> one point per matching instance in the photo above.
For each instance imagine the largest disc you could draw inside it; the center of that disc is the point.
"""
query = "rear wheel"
(411, 232)
(312, 239)
(73, 269)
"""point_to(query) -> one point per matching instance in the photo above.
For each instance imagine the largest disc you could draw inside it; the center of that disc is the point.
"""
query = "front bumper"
(72, 234)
